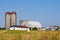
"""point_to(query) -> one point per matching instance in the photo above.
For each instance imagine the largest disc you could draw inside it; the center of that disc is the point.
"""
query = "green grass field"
(33, 35)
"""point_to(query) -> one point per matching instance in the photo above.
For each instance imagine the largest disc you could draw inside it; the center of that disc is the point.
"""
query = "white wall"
(16, 28)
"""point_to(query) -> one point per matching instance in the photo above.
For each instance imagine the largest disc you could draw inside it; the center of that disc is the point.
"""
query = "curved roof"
(34, 24)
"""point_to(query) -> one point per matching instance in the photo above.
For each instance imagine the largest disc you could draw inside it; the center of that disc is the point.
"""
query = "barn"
(19, 27)
(30, 24)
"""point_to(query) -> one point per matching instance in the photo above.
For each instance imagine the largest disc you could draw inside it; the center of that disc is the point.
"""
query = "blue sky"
(47, 12)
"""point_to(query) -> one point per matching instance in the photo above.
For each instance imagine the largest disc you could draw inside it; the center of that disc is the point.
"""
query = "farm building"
(19, 27)
(30, 24)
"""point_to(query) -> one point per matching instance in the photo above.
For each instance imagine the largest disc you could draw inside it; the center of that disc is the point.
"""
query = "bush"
(35, 28)
(29, 28)
(2, 28)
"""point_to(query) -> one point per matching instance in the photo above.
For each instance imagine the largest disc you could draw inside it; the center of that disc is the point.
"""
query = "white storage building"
(30, 23)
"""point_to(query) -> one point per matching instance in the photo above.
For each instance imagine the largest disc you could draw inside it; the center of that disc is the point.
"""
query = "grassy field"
(33, 35)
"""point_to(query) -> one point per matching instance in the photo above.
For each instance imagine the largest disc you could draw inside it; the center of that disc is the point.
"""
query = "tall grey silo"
(13, 18)
(7, 20)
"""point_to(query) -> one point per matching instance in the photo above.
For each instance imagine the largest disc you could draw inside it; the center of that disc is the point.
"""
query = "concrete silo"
(24, 22)
(13, 18)
(7, 20)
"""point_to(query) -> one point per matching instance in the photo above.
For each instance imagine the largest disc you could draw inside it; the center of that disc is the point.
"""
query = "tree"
(35, 28)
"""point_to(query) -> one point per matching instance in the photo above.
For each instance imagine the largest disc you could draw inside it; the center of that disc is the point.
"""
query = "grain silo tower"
(7, 20)
(24, 22)
(13, 18)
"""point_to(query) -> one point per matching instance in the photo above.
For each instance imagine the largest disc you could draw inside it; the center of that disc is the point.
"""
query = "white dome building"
(30, 23)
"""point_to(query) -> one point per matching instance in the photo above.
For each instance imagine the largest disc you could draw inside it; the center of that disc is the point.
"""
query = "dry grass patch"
(33, 35)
